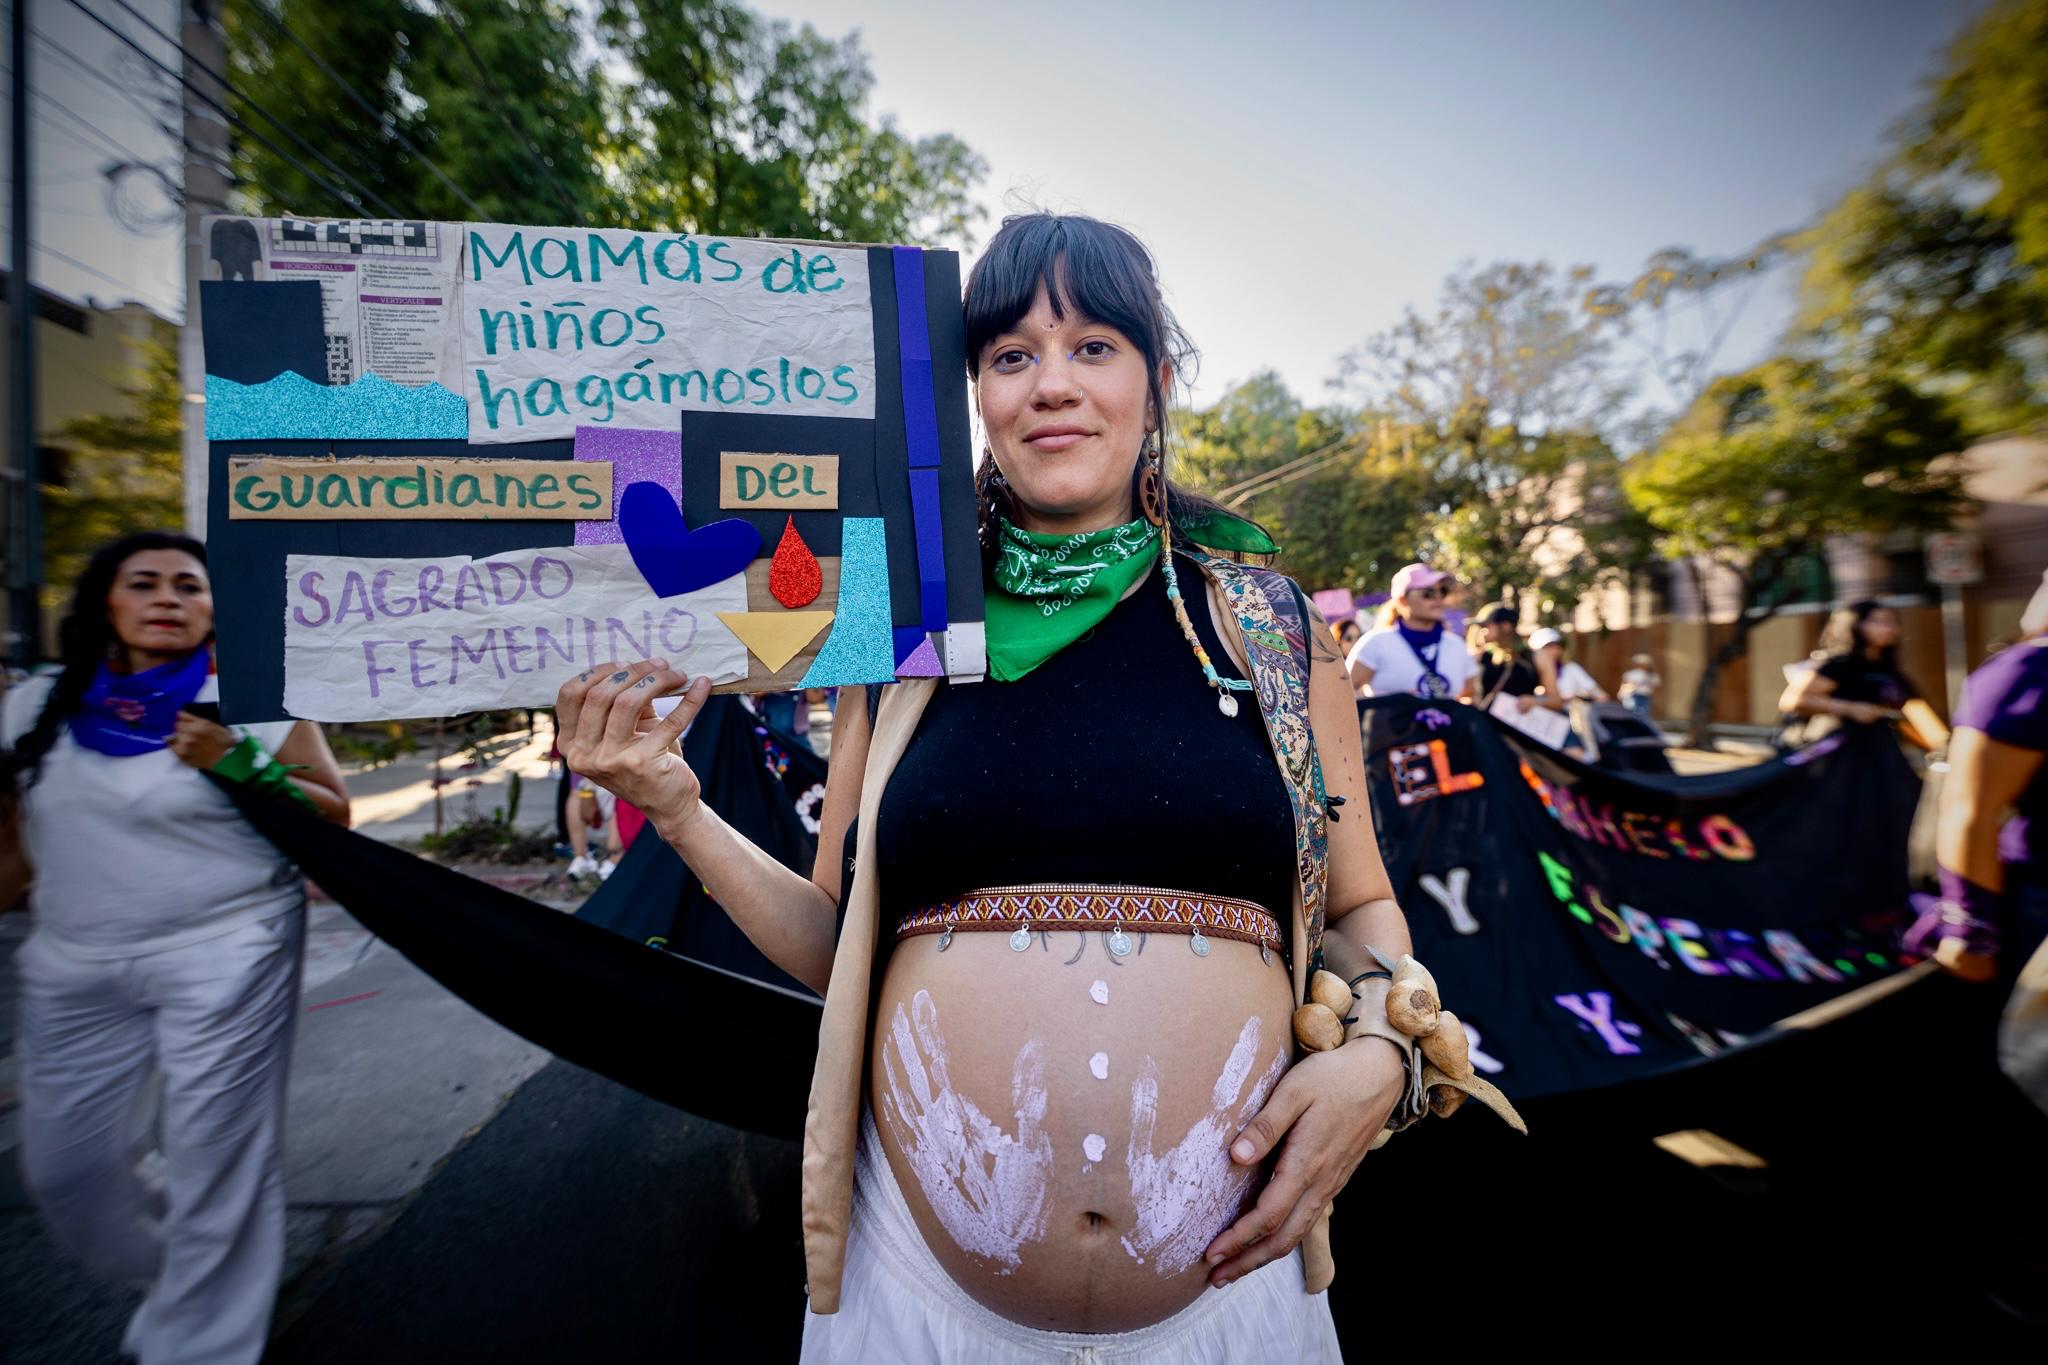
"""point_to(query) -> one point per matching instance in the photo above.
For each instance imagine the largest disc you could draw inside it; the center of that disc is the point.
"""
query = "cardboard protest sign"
(748, 457)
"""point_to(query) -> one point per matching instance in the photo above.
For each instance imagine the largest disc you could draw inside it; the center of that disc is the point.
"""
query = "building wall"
(88, 360)
(2008, 485)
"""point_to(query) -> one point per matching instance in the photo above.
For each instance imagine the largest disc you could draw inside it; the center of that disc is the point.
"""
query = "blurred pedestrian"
(165, 949)
(1858, 679)
(1573, 683)
(1348, 634)
(1410, 651)
(1640, 684)
(1565, 686)
(591, 807)
(1506, 666)
(1993, 910)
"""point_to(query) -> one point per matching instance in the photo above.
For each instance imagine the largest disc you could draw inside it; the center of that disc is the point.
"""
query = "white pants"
(897, 1304)
(214, 1020)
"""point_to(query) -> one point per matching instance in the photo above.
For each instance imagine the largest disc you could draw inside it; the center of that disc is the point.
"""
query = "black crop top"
(1109, 764)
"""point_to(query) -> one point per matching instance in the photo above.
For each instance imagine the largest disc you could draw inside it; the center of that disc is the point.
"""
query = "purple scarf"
(125, 714)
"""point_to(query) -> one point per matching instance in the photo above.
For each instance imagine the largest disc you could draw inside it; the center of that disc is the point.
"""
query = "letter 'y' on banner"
(1449, 892)
(1596, 1008)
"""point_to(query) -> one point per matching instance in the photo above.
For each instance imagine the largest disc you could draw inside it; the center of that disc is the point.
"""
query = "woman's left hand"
(1327, 1109)
(200, 743)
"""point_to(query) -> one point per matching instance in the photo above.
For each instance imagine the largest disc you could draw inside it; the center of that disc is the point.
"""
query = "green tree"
(1937, 267)
(1352, 513)
(676, 115)
(743, 125)
(503, 95)
(1507, 392)
(1771, 463)
(120, 474)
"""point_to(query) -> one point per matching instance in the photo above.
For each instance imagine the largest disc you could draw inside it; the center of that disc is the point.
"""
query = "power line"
(138, 295)
(88, 137)
(87, 68)
(177, 136)
(263, 8)
(356, 199)
(229, 86)
(105, 142)
(101, 76)
(499, 103)
(240, 95)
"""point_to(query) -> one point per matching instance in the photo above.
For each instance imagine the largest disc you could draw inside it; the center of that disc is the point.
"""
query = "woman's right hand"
(609, 733)
(1863, 712)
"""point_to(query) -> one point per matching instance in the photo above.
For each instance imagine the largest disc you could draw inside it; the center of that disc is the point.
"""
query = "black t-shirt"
(1512, 677)
(1108, 764)
(1857, 678)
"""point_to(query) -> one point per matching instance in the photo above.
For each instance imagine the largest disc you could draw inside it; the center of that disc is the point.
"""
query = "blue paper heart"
(670, 556)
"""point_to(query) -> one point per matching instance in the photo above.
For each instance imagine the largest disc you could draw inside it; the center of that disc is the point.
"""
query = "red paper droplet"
(794, 576)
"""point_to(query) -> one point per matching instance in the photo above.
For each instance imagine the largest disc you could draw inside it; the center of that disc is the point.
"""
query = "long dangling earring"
(1152, 487)
(997, 500)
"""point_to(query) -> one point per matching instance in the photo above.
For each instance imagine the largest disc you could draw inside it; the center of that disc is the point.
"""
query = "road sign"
(1954, 559)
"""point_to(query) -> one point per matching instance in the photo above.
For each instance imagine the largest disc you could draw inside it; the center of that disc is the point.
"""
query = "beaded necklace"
(1225, 702)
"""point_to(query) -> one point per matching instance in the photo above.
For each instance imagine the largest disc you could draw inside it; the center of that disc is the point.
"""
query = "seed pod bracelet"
(1441, 1078)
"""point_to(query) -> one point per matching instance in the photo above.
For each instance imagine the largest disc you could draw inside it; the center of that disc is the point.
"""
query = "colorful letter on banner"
(921, 433)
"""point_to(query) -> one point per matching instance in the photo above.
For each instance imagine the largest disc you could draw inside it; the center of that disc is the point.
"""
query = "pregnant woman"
(1057, 1106)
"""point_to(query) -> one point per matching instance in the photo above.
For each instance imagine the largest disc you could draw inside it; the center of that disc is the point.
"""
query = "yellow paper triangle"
(776, 637)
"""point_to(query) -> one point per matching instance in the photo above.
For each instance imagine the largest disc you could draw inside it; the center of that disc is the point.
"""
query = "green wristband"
(250, 764)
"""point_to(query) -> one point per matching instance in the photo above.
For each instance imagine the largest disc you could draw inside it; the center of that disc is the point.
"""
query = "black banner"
(1591, 927)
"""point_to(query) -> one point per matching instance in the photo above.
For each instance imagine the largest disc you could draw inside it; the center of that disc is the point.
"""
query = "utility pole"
(206, 191)
(24, 522)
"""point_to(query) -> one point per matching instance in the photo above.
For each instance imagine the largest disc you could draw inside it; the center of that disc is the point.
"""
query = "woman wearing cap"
(1573, 683)
(1564, 682)
(1410, 651)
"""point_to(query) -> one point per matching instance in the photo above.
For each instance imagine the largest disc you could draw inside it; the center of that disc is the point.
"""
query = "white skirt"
(897, 1304)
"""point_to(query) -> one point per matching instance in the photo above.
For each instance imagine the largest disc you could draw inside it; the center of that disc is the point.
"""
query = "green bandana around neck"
(1051, 590)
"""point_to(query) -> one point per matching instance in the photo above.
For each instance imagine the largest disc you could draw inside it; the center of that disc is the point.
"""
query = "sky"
(1302, 172)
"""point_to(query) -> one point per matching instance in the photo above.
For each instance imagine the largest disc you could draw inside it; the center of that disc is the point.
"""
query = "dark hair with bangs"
(1103, 273)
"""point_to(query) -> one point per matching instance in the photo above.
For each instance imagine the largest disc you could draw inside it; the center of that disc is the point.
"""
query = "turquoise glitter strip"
(293, 408)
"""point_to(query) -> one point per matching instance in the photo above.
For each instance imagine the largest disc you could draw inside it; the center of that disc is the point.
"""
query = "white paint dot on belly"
(1094, 1146)
(1099, 992)
(1099, 1064)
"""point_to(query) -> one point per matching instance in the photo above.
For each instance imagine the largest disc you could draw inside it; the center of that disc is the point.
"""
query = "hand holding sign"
(609, 733)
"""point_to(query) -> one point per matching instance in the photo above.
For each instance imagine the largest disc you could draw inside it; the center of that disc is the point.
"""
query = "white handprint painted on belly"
(987, 1188)
(1192, 1192)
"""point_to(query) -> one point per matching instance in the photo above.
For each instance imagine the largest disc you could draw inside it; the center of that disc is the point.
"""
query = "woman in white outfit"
(166, 946)
(1411, 651)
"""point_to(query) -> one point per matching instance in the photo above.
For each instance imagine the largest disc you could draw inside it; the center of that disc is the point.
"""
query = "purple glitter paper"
(636, 457)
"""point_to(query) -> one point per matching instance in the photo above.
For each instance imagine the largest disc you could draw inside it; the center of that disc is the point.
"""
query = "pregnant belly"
(1059, 1120)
